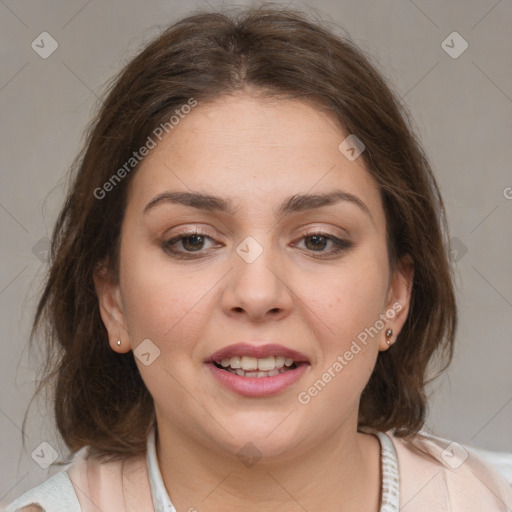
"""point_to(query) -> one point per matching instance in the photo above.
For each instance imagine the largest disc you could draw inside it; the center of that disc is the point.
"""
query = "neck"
(340, 473)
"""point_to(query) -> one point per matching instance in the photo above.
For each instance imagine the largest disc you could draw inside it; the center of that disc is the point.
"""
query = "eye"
(319, 240)
(191, 241)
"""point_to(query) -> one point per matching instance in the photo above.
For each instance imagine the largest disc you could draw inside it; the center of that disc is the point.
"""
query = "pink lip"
(257, 386)
(259, 351)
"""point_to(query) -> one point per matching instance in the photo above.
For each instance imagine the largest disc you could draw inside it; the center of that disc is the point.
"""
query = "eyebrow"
(293, 204)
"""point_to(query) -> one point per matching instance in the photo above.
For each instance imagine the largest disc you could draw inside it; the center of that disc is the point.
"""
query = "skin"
(256, 152)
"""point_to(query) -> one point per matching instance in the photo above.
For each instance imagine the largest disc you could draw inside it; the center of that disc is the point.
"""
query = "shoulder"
(87, 483)
(439, 473)
(56, 494)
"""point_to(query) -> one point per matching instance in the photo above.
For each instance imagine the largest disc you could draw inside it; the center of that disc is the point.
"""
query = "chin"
(258, 440)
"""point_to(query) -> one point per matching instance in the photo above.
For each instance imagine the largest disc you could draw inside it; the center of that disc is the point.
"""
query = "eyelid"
(200, 230)
(192, 230)
(331, 230)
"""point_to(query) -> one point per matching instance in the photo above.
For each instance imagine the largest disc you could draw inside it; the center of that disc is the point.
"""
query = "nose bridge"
(258, 281)
(257, 260)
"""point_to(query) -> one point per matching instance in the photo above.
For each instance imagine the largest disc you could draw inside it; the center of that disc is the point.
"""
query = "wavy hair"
(99, 398)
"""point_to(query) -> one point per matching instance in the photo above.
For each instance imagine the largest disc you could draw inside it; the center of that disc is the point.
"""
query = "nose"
(258, 285)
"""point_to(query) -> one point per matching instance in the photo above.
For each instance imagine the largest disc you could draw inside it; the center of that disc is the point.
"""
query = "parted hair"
(99, 397)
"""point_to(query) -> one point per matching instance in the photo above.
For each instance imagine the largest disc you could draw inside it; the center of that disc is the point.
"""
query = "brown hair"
(99, 397)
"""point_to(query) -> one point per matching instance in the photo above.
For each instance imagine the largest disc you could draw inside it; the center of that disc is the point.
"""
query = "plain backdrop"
(462, 107)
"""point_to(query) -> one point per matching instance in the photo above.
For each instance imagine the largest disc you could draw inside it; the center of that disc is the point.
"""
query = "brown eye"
(318, 241)
(192, 242)
(185, 244)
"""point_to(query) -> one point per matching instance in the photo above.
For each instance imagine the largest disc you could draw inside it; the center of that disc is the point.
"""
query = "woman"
(249, 286)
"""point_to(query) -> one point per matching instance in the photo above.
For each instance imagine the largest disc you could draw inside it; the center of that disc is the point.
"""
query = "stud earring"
(389, 332)
(118, 343)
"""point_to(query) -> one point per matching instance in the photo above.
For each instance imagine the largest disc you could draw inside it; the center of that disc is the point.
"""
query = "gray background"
(463, 111)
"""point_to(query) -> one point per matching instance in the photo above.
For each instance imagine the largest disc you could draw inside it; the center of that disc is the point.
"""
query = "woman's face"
(266, 259)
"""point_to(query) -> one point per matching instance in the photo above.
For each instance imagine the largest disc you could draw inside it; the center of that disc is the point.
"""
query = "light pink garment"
(446, 486)
(425, 486)
(120, 486)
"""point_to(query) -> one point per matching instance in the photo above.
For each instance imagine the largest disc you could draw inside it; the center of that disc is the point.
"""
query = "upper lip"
(258, 351)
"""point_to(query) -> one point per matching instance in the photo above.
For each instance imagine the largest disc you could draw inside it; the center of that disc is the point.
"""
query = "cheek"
(163, 305)
(345, 308)
(350, 297)
(159, 301)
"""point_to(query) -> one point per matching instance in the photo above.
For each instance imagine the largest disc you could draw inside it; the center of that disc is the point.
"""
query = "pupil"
(317, 238)
(195, 237)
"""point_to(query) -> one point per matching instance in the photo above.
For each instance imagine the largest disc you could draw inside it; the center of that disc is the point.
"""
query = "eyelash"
(340, 244)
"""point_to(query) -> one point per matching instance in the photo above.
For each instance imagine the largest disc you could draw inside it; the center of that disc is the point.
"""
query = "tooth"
(279, 361)
(251, 374)
(235, 362)
(249, 363)
(262, 374)
(273, 372)
(240, 372)
(266, 363)
(225, 363)
(288, 362)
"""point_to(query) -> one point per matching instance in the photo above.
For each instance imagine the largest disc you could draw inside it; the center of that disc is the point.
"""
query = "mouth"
(257, 370)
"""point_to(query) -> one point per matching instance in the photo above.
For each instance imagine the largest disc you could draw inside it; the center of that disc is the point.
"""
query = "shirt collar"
(161, 500)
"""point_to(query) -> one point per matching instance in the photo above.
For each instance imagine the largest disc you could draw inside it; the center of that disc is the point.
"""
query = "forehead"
(253, 151)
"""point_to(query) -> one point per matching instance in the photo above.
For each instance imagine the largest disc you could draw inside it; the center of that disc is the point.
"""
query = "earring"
(389, 332)
(118, 343)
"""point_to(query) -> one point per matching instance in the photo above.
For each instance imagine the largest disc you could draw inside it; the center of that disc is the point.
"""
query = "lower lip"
(258, 386)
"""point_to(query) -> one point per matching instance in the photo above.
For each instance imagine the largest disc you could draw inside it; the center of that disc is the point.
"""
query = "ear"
(398, 301)
(111, 309)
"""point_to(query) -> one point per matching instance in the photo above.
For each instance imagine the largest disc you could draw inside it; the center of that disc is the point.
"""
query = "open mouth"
(246, 366)
(257, 371)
